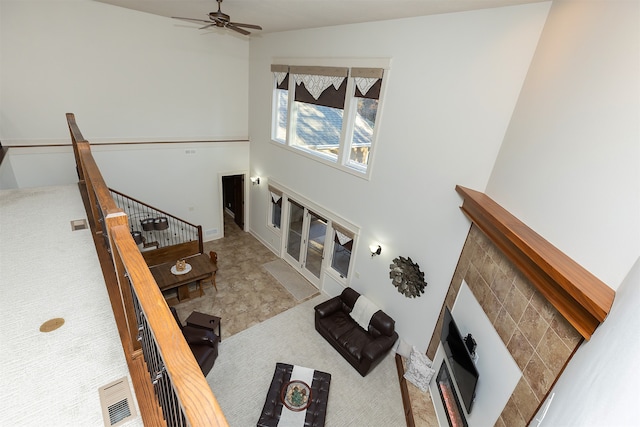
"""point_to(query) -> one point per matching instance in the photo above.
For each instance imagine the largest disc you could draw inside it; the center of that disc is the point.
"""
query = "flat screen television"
(465, 373)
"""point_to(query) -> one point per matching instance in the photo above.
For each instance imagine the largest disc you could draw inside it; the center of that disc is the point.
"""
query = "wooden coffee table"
(205, 321)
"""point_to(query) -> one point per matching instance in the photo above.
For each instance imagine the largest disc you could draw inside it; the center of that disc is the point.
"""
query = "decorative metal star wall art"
(407, 277)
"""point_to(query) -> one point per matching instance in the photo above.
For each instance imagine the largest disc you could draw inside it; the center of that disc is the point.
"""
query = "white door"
(306, 232)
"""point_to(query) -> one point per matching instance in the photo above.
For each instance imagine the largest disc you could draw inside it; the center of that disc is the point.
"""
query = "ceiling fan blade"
(238, 24)
(192, 19)
(240, 30)
(212, 24)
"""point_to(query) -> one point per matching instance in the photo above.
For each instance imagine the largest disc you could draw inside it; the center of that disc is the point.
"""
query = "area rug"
(242, 373)
(292, 281)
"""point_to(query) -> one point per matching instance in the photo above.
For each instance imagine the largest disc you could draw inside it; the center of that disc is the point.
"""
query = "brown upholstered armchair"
(202, 342)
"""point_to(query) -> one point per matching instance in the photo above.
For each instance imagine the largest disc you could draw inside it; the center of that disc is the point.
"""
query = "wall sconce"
(255, 180)
(375, 249)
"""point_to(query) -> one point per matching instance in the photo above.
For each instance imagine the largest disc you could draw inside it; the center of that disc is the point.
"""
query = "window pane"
(280, 131)
(317, 128)
(365, 120)
(276, 213)
(341, 258)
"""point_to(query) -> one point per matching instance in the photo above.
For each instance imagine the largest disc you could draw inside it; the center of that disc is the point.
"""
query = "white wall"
(570, 169)
(452, 87)
(570, 163)
(128, 77)
(181, 179)
(600, 385)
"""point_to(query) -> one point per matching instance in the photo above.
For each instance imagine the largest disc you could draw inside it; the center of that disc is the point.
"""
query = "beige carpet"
(292, 281)
(241, 376)
(48, 272)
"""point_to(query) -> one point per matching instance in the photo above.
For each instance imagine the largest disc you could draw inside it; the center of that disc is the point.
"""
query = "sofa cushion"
(337, 324)
(354, 341)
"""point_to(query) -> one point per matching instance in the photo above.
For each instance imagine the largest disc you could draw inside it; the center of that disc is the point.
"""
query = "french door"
(305, 241)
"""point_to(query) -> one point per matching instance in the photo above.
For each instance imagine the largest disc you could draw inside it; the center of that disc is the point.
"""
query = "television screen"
(465, 373)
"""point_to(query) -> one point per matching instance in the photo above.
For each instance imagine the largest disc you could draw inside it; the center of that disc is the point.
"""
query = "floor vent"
(117, 404)
(79, 224)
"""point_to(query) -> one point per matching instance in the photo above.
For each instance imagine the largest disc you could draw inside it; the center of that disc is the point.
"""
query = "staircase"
(154, 229)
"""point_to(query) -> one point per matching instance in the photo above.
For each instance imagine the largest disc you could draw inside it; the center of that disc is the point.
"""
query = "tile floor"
(247, 294)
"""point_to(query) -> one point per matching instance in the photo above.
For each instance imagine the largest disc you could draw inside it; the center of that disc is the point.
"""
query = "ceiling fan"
(222, 20)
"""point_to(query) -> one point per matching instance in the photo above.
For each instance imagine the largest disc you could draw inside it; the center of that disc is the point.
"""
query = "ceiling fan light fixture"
(222, 20)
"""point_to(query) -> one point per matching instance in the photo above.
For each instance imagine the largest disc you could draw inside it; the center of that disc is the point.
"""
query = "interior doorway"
(233, 198)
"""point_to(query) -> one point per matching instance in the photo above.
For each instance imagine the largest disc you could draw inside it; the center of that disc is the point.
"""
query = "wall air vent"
(79, 224)
(116, 402)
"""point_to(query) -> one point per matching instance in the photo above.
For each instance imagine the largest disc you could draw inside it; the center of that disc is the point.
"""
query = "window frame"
(334, 222)
(342, 161)
(270, 218)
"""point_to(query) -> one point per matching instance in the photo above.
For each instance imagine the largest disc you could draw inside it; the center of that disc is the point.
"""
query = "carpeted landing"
(242, 373)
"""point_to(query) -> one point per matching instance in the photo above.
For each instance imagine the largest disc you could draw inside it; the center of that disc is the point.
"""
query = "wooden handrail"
(198, 405)
(76, 137)
(577, 294)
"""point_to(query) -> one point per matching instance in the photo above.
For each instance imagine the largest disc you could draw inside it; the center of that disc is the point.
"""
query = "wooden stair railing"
(173, 380)
(180, 240)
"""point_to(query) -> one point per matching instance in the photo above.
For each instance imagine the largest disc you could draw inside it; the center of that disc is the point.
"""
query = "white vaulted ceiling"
(284, 15)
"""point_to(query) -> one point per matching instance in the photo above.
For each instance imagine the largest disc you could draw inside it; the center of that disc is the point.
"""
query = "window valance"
(368, 82)
(276, 195)
(282, 73)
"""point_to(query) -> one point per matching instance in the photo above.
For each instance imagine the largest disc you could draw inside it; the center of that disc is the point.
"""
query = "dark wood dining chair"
(213, 255)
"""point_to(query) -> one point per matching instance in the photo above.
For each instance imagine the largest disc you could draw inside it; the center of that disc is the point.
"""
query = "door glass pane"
(315, 247)
(294, 238)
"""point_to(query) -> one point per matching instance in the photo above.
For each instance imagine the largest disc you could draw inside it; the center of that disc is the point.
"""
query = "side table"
(205, 321)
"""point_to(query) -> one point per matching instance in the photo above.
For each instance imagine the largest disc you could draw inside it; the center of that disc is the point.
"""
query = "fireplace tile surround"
(539, 339)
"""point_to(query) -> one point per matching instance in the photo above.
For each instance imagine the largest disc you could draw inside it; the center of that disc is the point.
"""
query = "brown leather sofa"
(362, 349)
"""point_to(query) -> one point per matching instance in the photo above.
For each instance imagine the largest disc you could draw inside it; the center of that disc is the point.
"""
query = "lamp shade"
(161, 223)
(137, 237)
(147, 224)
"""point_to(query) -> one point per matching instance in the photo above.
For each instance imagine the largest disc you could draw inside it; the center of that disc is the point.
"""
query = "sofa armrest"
(378, 347)
(328, 307)
(197, 336)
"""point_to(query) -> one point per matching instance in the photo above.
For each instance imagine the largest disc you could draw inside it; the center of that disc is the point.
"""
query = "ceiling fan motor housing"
(219, 16)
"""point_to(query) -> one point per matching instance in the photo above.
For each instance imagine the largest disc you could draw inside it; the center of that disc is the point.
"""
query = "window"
(275, 216)
(342, 247)
(368, 83)
(318, 109)
(281, 102)
(331, 112)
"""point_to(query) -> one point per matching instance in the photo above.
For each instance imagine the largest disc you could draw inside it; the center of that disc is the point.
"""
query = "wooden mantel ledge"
(577, 294)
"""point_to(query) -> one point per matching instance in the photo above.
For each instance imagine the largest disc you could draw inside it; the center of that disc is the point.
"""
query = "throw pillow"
(402, 348)
(419, 371)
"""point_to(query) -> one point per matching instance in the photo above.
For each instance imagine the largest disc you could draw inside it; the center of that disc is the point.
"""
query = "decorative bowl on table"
(296, 395)
(181, 267)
